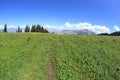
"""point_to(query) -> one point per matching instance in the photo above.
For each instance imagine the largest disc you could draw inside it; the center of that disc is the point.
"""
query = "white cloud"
(51, 27)
(101, 29)
(23, 27)
(1, 26)
(70, 26)
(12, 27)
(80, 26)
(117, 28)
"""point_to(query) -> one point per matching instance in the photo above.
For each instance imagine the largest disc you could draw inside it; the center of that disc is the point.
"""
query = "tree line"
(33, 28)
(117, 33)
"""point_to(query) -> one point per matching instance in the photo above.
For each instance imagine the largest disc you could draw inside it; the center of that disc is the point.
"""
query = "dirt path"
(51, 73)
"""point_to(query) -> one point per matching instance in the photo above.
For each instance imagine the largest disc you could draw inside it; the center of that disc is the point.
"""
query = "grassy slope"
(87, 57)
(21, 59)
(75, 57)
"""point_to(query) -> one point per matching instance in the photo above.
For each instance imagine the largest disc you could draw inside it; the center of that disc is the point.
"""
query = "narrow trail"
(51, 73)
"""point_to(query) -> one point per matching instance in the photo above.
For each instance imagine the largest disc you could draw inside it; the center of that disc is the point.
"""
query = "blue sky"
(63, 14)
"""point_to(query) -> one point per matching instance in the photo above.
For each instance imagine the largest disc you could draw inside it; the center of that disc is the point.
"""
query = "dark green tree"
(33, 29)
(115, 33)
(19, 29)
(105, 34)
(5, 28)
(27, 28)
(38, 28)
(44, 30)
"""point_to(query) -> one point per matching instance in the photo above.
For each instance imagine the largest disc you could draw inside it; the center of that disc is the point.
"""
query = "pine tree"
(33, 28)
(19, 29)
(38, 28)
(42, 29)
(5, 28)
(27, 28)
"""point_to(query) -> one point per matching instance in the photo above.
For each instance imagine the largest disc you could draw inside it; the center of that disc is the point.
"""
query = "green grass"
(21, 59)
(24, 56)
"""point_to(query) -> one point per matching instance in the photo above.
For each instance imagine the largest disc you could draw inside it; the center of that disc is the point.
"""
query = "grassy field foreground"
(26, 56)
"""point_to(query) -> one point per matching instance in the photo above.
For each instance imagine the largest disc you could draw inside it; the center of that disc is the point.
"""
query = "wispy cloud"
(117, 28)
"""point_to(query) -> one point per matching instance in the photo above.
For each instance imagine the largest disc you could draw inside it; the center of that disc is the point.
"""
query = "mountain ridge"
(85, 31)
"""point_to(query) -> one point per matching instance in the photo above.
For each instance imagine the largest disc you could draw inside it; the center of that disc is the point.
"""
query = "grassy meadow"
(25, 56)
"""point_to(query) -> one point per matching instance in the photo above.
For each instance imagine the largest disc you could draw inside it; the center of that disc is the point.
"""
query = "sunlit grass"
(24, 56)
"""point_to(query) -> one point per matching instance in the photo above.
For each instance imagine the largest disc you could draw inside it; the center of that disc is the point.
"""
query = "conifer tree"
(38, 28)
(19, 29)
(5, 28)
(33, 28)
(27, 28)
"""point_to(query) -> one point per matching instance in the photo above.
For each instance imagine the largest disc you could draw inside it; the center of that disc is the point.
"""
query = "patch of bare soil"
(51, 73)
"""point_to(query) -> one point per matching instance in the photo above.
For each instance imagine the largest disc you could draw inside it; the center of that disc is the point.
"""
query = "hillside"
(38, 56)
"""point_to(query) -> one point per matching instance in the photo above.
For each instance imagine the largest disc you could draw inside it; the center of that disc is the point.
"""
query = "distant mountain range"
(77, 32)
(85, 31)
